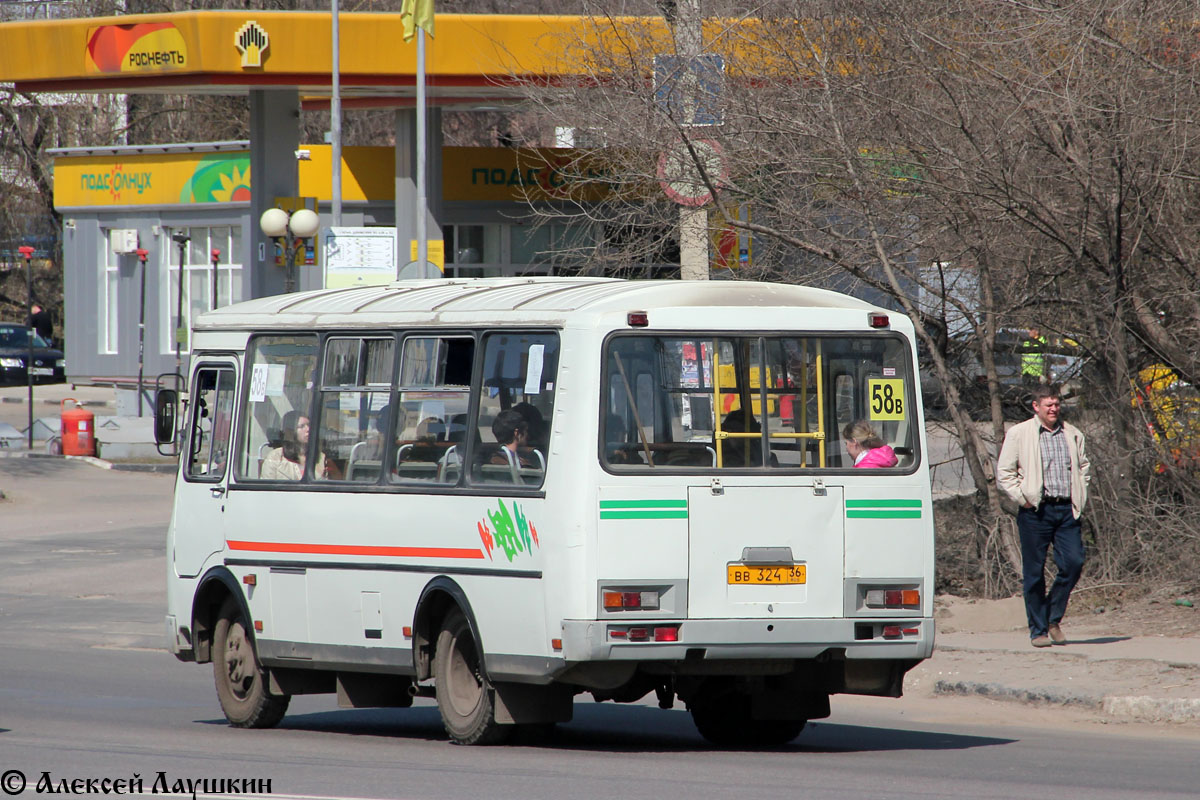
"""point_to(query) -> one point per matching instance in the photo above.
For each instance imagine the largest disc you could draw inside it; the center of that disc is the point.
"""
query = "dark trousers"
(1049, 523)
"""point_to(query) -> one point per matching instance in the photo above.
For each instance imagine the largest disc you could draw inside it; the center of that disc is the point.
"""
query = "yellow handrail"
(719, 436)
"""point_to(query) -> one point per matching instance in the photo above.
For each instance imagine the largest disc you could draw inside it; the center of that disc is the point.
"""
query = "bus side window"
(519, 375)
(280, 373)
(431, 417)
(356, 384)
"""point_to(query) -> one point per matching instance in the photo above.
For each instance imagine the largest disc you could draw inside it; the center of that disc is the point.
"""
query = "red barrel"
(78, 429)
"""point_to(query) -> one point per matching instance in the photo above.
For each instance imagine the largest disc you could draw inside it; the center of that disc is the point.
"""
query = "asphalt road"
(86, 693)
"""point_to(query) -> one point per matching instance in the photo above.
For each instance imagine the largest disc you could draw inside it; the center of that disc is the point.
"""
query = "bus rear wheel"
(726, 720)
(241, 682)
(465, 698)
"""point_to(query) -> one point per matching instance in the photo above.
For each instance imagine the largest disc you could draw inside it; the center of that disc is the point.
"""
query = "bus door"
(765, 551)
(200, 491)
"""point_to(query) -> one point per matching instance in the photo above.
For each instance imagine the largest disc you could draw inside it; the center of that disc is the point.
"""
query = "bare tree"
(1046, 151)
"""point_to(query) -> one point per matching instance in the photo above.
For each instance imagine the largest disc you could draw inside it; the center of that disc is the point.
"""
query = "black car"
(48, 363)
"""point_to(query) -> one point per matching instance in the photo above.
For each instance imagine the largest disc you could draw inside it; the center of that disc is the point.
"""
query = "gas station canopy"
(474, 58)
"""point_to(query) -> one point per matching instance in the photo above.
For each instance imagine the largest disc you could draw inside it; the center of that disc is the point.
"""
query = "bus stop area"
(1136, 663)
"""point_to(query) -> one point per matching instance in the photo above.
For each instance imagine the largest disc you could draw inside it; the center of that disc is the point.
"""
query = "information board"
(358, 256)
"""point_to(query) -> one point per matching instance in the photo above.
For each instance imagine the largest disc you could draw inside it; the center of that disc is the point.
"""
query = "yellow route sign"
(885, 398)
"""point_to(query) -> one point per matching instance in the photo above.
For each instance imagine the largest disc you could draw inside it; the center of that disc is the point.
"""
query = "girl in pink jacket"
(866, 448)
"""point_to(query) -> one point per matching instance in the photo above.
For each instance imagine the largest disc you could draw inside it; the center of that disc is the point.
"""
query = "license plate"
(43, 371)
(775, 575)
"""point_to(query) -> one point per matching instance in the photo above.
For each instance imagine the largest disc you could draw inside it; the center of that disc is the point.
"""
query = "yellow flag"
(416, 14)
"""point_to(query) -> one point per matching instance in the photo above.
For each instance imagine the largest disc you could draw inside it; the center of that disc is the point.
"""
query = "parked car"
(1063, 365)
(49, 366)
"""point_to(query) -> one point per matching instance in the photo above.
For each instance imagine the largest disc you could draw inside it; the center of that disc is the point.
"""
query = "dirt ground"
(1064, 678)
(1155, 614)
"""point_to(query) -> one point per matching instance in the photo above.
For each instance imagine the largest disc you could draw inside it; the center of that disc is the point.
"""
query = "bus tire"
(241, 681)
(465, 698)
(726, 721)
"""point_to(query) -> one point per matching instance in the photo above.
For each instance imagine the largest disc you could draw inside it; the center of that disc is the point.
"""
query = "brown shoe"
(1040, 641)
(1056, 634)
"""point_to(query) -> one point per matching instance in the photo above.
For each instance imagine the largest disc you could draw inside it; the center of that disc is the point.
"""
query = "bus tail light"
(639, 633)
(893, 598)
(615, 600)
(638, 319)
(877, 320)
(898, 632)
(667, 633)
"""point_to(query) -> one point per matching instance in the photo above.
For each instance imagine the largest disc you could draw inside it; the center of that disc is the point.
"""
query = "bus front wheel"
(465, 698)
(241, 682)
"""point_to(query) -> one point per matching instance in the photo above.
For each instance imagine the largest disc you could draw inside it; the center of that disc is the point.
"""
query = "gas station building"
(116, 201)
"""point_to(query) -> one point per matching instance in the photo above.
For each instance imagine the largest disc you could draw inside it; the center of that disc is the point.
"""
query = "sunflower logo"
(235, 187)
(219, 178)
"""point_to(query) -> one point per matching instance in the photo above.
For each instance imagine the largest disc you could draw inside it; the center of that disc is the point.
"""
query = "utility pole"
(693, 221)
(335, 117)
(27, 253)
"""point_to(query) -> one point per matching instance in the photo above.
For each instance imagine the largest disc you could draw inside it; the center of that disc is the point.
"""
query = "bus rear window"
(798, 402)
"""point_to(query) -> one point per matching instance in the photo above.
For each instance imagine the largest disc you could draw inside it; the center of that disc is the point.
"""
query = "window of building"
(110, 281)
(204, 287)
(516, 248)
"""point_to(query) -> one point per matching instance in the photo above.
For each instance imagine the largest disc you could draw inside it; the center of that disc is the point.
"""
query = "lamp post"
(141, 255)
(290, 230)
(27, 253)
(182, 240)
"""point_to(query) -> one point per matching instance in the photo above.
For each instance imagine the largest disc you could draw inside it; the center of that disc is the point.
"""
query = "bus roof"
(537, 300)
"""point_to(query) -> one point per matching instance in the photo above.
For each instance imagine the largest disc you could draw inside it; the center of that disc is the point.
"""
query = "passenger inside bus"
(865, 446)
(535, 425)
(742, 451)
(512, 433)
(287, 462)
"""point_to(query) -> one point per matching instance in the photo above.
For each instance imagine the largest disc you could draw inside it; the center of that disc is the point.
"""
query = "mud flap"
(526, 704)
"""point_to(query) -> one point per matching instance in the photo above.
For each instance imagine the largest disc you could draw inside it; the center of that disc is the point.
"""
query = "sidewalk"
(1140, 677)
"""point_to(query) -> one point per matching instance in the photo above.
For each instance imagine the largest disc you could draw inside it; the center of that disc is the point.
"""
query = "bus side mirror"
(166, 408)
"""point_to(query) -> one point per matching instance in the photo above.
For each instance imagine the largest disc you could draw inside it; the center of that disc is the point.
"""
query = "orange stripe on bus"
(357, 550)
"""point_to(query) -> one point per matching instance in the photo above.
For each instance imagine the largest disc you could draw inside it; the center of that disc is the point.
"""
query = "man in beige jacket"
(1044, 467)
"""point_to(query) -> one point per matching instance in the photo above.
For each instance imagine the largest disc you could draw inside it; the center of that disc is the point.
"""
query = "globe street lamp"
(289, 231)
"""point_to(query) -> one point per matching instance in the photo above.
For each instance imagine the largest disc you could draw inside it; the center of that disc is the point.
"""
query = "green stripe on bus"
(644, 514)
(643, 503)
(896, 514)
(883, 504)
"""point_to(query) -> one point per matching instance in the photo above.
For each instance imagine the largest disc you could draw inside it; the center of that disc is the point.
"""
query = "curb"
(1151, 709)
(165, 468)
(1141, 708)
(85, 403)
(1031, 696)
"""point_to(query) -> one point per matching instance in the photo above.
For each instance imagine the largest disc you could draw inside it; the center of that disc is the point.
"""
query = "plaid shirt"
(1056, 462)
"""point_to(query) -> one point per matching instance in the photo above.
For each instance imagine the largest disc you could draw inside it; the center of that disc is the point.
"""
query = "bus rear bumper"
(727, 639)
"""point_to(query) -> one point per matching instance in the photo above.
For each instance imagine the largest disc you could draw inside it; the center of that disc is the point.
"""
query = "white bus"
(503, 493)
